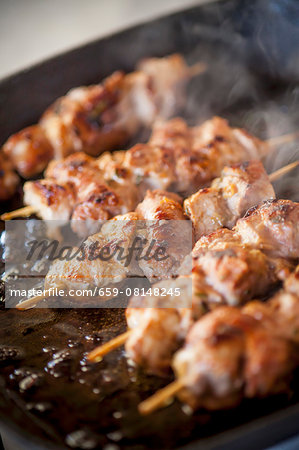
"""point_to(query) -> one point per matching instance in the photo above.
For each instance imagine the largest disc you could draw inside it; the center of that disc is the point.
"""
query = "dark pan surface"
(46, 387)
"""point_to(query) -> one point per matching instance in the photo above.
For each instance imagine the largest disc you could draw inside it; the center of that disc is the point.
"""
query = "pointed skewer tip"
(283, 171)
(22, 212)
(160, 398)
(97, 354)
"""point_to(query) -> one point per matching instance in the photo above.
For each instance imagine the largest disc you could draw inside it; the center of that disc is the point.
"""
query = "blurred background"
(33, 30)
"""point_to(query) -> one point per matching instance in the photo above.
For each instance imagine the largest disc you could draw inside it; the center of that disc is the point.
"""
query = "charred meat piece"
(9, 180)
(29, 151)
(246, 261)
(158, 326)
(53, 201)
(239, 188)
(89, 268)
(231, 353)
(94, 198)
(165, 232)
(201, 152)
(102, 116)
(273, 227)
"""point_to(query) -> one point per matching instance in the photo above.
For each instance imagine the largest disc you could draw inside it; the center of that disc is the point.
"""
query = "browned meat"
(166, 231)
(237, 265)
(235, 275)
(201, 152)
(95, 198)
(53, 201)
(228, 355)
(9, 180)
(29, 151)
(273, 227)
(161, 205)
(153, 166)
(239, 188)
(157, 328)
(231, 353)
(225, 271)
(91, 270)
(84, 119)
(102, 116)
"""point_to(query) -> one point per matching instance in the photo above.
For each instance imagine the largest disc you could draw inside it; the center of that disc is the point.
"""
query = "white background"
(32, 30)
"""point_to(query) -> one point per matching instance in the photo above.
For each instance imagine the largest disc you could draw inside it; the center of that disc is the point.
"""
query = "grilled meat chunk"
(158, 325)
(29, 151)
(245, 262)
(53, 201)
(235, 353)
(166, 232)
(228, 355)
(201, 152)
(239, 188)
(273, 227)
(9, 180)
(89, 268)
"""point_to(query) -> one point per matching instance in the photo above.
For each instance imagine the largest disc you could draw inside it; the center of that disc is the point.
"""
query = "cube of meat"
(229, 354)
(176, 140)
(153, 166)
(84, 119)
(166, 81)
(101, 202)
(201, 152)
(53, 201)
(161, 205)
(227, 271)
(166, 231)
(236, 274)
(240, 187)
(78, 169)
(9, 180)
(207, 211)
(243, 186)
(153, 320)
(273, 227)
(92, 266)
(29, 151)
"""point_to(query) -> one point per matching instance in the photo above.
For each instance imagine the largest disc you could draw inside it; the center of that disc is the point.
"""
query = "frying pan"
(49, 396)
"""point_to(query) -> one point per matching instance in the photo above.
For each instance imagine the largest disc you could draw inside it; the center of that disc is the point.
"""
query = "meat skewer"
(156, 208)
(103, 116)
(9, 180)
(177, 158)
(231, 354)
(252, 173)
(242, 278)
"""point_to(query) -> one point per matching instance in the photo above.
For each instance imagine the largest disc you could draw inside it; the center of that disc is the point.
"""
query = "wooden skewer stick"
(160, 398)
(283, 139)
(280, 172)
(196, 69)
(30, 302)
(97, 354)
(22, 212)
